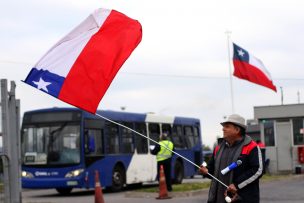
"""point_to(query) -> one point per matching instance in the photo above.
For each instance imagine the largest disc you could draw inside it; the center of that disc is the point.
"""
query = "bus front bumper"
(36, 183)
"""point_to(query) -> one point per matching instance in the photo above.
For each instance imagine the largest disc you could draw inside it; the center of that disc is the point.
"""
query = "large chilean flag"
(81, 66)
(250, 68)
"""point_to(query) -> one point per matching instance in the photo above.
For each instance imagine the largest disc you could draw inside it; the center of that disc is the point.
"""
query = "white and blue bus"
(62, 147)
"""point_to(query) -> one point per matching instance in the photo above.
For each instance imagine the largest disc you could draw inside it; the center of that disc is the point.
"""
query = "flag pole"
(194, 164)
(282, 96)
(230, 73)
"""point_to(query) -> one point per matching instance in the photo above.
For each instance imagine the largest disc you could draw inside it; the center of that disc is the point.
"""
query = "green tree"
(205, 147)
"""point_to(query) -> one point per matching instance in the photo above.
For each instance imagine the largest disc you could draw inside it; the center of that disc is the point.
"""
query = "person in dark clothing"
(164, 157)
(242, 181)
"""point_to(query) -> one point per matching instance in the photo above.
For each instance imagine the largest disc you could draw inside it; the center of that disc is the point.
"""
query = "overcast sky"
(181, 67)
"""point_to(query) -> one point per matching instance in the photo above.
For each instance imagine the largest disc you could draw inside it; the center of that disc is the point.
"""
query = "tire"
(64, 191)
(118, 179)
(178, 172)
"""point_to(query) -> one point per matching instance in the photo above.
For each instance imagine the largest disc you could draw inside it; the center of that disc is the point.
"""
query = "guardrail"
(10, 118)
(2, 185)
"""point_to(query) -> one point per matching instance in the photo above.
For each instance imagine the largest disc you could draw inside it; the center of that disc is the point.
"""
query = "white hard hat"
(237, 120)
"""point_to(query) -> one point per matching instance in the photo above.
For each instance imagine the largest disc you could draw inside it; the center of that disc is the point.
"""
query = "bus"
(61, 148)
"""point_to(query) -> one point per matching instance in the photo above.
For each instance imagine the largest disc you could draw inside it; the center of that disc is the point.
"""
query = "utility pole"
(10, 110)
(230, 72)
(282, 97)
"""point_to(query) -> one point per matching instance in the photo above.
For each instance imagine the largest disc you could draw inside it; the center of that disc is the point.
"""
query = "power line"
(192, 76)
(15, 62)
(174, 75)
(158, 74)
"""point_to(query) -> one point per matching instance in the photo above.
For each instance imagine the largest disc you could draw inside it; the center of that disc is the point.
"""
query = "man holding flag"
(242, 179)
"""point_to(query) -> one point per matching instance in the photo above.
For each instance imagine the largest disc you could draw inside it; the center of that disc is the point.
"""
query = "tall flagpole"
(194, 164)
(230, 73)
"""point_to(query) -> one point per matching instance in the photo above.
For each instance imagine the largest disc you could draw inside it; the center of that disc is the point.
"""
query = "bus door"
(139, 169)
(93, 142)
(154, 133)
(93, 145)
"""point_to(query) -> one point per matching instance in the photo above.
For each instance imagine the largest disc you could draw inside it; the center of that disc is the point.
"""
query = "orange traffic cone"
(163, 192)
(98, 190)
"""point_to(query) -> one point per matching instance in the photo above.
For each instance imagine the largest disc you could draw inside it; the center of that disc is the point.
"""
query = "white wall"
(271, 153)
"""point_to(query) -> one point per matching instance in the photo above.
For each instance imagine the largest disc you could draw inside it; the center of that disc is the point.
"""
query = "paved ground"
(288, 190)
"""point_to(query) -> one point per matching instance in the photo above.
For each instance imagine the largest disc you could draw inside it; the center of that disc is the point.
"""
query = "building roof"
(279, 111)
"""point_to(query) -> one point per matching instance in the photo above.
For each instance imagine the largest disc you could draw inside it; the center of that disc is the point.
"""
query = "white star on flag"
(240, 52)
(41, 84)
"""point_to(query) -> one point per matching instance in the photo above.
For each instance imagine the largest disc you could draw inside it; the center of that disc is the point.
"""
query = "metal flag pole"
(282, 96)
(230, 72)
(194, 164)
(147, 138)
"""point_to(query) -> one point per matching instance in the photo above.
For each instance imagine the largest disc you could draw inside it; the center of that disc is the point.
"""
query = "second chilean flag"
(250, 68)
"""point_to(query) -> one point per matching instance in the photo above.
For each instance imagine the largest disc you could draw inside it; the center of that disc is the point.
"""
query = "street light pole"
(282, 97)
(230, 72)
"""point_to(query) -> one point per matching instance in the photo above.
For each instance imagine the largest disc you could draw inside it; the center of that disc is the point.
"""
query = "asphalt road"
(288, 190)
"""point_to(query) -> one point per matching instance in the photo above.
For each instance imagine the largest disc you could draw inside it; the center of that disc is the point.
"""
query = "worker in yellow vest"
(163, 157)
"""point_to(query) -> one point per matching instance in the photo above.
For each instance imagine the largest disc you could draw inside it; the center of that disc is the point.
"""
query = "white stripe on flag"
(61, 57)
(259, 64)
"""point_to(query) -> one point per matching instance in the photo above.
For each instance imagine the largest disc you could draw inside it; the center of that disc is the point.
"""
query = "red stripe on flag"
(251, 73)
(100, 60)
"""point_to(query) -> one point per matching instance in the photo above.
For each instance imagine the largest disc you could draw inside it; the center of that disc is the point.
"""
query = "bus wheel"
(178, 172)
(64, 191)
(118, 178)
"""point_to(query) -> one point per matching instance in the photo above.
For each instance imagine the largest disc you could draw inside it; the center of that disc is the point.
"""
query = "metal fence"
(10, 185)
(1, 162)
(1, 181)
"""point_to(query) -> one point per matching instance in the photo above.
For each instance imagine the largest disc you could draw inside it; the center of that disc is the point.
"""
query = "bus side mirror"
(91, 144)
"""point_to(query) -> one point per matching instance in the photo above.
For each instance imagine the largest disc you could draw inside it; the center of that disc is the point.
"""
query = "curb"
(134, 194)
(171, 194)
(289, 177)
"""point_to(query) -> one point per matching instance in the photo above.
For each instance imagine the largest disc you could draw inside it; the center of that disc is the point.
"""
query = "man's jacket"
(246, 176)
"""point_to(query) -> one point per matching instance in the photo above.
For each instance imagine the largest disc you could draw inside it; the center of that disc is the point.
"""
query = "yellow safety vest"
(163, 152)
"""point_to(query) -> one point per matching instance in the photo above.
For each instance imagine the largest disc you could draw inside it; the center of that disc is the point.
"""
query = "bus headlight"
(26, 174)
(74, 173)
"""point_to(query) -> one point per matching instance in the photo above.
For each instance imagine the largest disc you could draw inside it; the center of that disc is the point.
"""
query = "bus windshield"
(47, 145)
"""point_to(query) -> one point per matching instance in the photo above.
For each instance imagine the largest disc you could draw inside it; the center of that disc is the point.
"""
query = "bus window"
(127, 140)
(51, 144)
(93, 124)
(93, 142)
(41, 141)
(189, 136)
(112, 138)
(65, 143)
(196, 135)
(154, 132)
(141, 142)
(166, 128)
(28, 140)
(177, 137)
